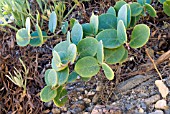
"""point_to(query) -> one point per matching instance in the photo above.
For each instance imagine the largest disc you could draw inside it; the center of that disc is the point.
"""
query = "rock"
(76, 110)
(161, 104)
(48, 104)
(95, 98)
(143, 106)
(99, 88)
(87, 101)
(91, 93)
(56, 111)
(101, 109)
(157, 112)
(132, 82)
(64, 108)
(141, 110)
(129, 106)
(152, 99)
(68, 112)
(80, 97)
(80, 89)
(167, 111)
(86, 113)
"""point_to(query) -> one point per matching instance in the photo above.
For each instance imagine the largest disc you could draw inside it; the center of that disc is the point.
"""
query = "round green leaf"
(108, 71)
(107, 21)
(87, 47)
(62, 46)
(119, 4)
(148, 1)
(125, 56)
(136, 9)
(61, 97)
(113, 56)
(71, 53)
(151, 11)
(109, 38)
(87, 67)
(124, 14)
(100, 52)
(46, 77)
(64, 27)
(76, 33)
(162, 1)
(121, 32)
(47, 94)
(28, 24)
(142, 2)
(56, 58)
(37, 41)
(94, 21)
(51, 78)
(87, 30)
(111, 10)
(72, 77)
(40, 35)
(138, 38)
(166, 7)
(68, 37)
(22, 37)
(63, 76)
(52, 22)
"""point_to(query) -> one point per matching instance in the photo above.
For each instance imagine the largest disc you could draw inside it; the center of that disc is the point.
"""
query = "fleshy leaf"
(100, 52)
(87, 67)
(109, 38)
(28, 24)
(63, 76)
(166, 7)
(124, 14)
(52, 22)
(151, 11)
(108, 71)
(61, 97)
(37, 41)
(56, 58)
(142, 2)
(71, 53)
(125, 56)
(72, 77)
(113, 56)
(94, 21)
(121, 32)
(87, 30)
(107, 21)
(119, 4)
(22, 37)
(111, 10)
(162, 1)
(40, 35)
(76, 33)
(62, 46)
(47, 94)
(87, 47)
(136, 9)
(138, 38)
(51, 78)
(46, 77)
(64, 27)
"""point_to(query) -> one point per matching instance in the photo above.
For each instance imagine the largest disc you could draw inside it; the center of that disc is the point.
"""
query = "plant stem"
(70, 11)
(154, 64)
(12, 27)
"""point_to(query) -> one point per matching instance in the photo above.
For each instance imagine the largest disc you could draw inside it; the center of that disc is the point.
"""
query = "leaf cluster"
(94, 46)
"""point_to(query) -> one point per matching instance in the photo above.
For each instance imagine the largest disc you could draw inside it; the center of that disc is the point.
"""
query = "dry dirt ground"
(132, 91)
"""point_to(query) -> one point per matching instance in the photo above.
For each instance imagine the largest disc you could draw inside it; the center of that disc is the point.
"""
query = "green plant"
(92, 47)
(166, 6)
(17, 79)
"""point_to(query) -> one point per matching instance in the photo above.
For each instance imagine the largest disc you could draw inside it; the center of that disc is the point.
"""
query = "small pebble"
(56, 111)
(68, 112)
(157, 112)
(161, 104)
(87, 101)
(48, 104)
(91, 93)
(152, 99)
(95, 98)
(141, 110)
(98, 88)
(80, 97)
